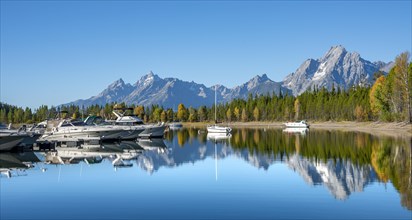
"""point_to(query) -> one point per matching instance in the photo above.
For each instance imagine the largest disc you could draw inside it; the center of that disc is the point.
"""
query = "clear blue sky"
(56, 52)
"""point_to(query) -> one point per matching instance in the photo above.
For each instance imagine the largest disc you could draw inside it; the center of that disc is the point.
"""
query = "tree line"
(389, 99)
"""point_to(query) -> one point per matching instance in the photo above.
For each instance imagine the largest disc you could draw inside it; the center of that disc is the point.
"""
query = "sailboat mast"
(215, 104)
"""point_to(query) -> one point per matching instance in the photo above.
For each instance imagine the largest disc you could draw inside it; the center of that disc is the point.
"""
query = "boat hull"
(130, 134)
(8, 142)
(175, 126)
(297, 126)
(153, 131)
(83, 134)
(218, 129)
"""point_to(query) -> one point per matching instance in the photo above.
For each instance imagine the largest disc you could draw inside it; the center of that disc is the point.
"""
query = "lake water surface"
(253, 174)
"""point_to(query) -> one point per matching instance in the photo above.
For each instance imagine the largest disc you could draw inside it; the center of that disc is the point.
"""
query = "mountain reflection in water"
(343, 162)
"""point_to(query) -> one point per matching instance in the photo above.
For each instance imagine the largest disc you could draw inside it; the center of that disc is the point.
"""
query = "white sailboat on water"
(216, 128)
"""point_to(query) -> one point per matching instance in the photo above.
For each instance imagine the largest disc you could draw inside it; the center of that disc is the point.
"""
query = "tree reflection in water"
(343, 161)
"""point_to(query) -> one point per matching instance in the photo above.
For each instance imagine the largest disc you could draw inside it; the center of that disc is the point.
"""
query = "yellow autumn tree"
(256, 114)
(377, 98)
(139, 111)
(182, 112)
(236, 112)
(229, 115)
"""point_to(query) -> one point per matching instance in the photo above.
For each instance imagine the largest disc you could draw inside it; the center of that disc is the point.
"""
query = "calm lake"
(252, 174)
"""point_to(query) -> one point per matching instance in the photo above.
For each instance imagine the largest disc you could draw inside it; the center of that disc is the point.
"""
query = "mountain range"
(337, 67)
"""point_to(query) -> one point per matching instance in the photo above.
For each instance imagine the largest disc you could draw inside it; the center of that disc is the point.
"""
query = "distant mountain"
(257, 85)
(338, 68)
(169, 92)
(116, 91)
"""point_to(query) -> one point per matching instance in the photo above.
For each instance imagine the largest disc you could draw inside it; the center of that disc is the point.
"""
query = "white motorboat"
(297, 124)
(175, 125)
(216, 128)
(132, 126)
(69, 129)
(11, 138)
(39, 128)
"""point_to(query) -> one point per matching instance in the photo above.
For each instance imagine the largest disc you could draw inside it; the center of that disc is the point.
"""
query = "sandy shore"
(378, 128)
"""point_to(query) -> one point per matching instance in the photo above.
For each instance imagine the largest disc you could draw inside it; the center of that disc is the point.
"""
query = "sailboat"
(216, 128)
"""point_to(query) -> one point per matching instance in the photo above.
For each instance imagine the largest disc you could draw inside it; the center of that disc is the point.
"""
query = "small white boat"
(297, 124)
(175, 125)
(216, 128)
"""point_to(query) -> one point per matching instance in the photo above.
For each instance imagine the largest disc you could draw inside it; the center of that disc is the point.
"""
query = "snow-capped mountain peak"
(336, 67)
(147, 79)
(335, 53)
(116, 84)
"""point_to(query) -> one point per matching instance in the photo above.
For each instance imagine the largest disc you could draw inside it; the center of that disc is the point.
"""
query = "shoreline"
(398, 129)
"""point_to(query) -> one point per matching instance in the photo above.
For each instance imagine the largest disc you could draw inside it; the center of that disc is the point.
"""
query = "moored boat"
(175, 125)
(11, 138)
(79, 130)
(133, 127)
(216, 128)
(297, 124)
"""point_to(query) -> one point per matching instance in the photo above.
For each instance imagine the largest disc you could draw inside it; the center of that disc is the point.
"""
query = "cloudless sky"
(54, 52)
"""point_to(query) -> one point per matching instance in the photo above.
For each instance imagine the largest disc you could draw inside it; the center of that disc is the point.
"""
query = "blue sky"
(56, 52)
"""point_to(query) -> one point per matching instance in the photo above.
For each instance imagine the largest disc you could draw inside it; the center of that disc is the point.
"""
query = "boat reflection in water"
(16, 164)
(302, 131)
(120, 154)
(218, 136)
